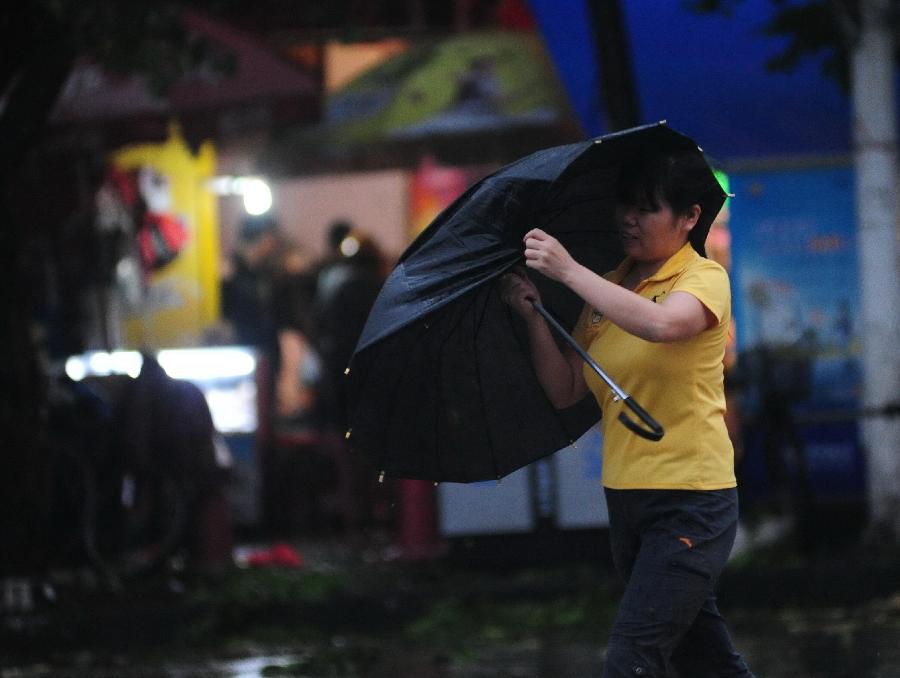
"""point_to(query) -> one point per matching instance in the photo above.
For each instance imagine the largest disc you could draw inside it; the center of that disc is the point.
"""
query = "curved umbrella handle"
(654, 431)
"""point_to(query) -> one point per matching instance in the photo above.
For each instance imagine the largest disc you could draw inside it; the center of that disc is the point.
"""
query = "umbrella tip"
(663, 122)
(729, 195)
(346, 371)
(347, 434)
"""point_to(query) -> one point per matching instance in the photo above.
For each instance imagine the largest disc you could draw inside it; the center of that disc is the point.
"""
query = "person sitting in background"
(164, 431)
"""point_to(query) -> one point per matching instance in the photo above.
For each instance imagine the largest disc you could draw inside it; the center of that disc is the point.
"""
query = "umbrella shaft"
(584, 354)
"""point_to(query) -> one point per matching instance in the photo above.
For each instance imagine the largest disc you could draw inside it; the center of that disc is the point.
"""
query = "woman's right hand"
(517, 290)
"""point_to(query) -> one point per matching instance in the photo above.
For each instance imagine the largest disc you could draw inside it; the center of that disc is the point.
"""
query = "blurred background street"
(200, 201)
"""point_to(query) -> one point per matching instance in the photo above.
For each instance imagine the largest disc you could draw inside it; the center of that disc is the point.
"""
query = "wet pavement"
(379, 619)
(823, 645)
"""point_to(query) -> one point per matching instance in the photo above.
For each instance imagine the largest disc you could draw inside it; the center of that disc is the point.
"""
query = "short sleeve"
(709, 283)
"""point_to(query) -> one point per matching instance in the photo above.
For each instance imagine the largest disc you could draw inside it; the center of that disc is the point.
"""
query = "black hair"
(682, 178)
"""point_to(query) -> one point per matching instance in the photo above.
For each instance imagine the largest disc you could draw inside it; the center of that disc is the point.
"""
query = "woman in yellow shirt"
(659, 325)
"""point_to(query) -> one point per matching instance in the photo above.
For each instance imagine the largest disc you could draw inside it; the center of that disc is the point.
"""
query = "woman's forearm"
(562, 382)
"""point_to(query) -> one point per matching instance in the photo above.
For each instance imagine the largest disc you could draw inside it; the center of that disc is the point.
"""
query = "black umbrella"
(441, 384)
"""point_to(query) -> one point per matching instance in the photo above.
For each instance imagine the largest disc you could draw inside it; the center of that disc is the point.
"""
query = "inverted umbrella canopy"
(441, 384)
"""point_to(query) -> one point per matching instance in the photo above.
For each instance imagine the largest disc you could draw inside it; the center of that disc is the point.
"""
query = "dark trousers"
(670, 547)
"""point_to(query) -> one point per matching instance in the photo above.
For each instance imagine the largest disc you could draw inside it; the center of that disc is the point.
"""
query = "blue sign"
(796, 300)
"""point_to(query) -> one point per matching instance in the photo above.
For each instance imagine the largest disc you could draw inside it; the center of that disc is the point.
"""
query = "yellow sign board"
(178, 241)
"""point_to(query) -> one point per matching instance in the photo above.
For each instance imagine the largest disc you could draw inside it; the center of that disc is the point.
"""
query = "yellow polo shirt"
(679, 383)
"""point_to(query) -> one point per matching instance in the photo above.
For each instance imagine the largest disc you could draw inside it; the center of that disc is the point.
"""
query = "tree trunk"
(875, 142)
(617, 81)
(23, 456)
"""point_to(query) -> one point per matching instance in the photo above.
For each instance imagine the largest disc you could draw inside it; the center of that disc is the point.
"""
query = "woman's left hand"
(545, 254)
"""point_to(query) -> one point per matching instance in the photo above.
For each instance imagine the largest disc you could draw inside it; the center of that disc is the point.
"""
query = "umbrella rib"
(458, 321)
(403, 371)
(475, 331)
(442, 400)
(385, 457)
(439, 403)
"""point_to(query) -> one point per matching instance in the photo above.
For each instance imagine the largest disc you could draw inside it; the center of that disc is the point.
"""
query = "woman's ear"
(691, 217)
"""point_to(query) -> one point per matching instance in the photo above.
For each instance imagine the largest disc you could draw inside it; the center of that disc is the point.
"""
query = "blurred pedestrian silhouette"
(293, 292)
(348, 280)
(247, 284)
(267, 298)
(299, 470)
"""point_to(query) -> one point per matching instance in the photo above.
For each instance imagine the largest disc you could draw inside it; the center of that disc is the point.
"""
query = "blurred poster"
(346, 61)
(796, 296)
(155, 195)
(477, 81)
(434, 187)
(476, 94)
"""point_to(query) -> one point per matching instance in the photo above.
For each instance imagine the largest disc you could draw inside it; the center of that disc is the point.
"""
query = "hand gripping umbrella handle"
(653, 431)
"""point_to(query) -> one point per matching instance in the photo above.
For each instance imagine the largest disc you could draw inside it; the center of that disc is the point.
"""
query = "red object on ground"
(279, 555)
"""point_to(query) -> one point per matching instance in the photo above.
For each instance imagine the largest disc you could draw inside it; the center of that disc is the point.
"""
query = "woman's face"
(649, 234)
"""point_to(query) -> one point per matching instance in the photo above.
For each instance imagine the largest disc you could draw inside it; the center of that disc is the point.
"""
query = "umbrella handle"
(654, 431)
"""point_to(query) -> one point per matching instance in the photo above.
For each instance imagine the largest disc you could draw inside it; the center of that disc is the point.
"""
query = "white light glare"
(76, 368)
(349, 246)
(197, 364)
(255, 191)
(102, 364)
(257, 196)
(220, 185)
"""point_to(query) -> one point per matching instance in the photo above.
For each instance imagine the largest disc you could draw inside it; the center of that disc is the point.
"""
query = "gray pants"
(670, 547)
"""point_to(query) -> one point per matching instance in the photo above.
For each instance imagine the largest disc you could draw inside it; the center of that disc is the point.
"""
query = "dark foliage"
(821, 30)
